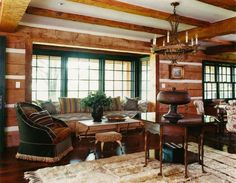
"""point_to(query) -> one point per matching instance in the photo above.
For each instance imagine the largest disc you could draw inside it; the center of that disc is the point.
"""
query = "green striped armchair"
(42, 137)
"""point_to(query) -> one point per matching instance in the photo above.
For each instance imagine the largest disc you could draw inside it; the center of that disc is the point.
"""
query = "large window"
(66, 74)
(145, 79)
(219, 80)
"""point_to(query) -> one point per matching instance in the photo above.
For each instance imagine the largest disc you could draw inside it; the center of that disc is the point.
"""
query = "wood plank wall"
(15, 72)
(192, 81)
(18, 64)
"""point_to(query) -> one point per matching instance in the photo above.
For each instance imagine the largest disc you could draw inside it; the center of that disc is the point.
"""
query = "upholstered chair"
(231, 118)
(42, 137)
(199, 106)
(231, 124)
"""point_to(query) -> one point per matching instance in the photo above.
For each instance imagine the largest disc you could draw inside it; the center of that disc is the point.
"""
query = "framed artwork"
(176, 72)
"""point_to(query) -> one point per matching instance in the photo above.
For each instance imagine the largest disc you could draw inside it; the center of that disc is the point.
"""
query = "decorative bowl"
(115, 118)
(173, 98)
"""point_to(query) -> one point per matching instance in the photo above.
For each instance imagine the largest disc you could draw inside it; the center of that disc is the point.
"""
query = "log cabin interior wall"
(18, 64)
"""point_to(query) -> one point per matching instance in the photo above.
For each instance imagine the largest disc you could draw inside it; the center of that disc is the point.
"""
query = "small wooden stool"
(111, 136)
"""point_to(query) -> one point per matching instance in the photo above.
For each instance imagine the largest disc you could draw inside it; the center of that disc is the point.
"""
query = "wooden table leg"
(160, 149)
(186, 152)
(145, 147)
(202, 150)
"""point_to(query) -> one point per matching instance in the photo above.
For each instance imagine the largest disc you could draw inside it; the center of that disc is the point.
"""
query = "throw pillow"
(42, 118)
(49, 106)
(70, 105)
(131, 104)
(115, 105)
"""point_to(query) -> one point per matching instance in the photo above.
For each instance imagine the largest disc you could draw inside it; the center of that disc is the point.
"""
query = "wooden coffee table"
(105, 124)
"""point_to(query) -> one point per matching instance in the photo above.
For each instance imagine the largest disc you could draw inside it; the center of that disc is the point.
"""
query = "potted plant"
(96, 100)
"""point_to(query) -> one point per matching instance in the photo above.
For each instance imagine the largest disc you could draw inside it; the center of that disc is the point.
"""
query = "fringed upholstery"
(44, 159)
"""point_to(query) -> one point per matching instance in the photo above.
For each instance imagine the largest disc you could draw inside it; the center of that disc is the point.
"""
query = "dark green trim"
(64, 76)
(102, 58)
(101, 75)
(2, 92)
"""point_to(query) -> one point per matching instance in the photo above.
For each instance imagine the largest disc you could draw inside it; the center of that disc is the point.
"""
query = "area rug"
(220, 167)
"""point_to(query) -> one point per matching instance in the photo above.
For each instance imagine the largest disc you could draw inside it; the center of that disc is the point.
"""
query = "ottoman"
(111, 136)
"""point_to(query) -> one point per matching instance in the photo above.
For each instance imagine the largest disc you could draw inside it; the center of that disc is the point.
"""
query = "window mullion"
(101, 75)
(64, 76)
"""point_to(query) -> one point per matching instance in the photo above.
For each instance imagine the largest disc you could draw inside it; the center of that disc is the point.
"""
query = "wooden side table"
(155, 124)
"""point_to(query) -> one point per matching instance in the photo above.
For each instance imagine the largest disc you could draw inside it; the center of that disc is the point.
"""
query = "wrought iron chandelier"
(172, 47)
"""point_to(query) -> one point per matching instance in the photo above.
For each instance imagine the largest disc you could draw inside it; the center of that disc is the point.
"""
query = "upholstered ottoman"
(111, 136)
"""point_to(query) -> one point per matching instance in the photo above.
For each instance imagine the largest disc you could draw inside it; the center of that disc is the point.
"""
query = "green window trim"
(65, 55)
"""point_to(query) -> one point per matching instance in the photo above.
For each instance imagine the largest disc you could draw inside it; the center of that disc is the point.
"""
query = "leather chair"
(47, 142)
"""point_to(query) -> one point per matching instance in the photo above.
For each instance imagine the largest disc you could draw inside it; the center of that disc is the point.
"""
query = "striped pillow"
(42, 118)
(69, 105)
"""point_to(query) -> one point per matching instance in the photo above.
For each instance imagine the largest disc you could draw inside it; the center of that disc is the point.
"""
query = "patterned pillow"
(115, 105)
(69, 105)
(49, 106)
(42, 118)
(131, 104)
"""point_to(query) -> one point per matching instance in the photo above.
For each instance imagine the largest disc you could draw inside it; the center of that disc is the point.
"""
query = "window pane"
(55, 61)
(73, 74)
(109, 65)
(42, 61)
(84, 74)
(55, 73)
(94, 85)
(73, 85)
(109, 75)
(42, 73)
(72, 63)
(118, 65)
(94, 64)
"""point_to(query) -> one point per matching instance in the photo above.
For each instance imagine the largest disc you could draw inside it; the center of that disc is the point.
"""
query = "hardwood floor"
(12, 170)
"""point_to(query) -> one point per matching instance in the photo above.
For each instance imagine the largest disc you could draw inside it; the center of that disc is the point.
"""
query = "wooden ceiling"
(131, 17)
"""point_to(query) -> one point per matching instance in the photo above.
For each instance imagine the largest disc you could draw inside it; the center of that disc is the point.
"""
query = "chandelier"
(172, 47)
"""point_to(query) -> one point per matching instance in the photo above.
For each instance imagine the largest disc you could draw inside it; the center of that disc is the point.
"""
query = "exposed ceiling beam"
(215, 50)
(220, 28)
(92, 20)
(226, 4)
(11, 13)
(138, 10)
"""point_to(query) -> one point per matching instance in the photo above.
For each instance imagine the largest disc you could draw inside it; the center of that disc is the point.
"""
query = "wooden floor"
(12, 170)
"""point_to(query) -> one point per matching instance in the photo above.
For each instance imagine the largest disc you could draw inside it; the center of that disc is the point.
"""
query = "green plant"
(95, 99)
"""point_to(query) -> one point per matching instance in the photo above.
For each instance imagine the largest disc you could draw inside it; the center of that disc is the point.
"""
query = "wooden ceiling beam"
(92, 20)
(215, 50)
(138, 10)
(226, 4)
(220, 28)
(11, 12)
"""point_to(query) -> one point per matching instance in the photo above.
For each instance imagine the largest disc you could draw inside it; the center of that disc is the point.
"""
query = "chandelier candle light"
(172, 47)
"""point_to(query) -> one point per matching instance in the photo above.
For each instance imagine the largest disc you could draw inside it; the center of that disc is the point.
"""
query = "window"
(219, 81)
(83, 76)
(46, 77)
(145, 79)
(119, 78)
(69, 74)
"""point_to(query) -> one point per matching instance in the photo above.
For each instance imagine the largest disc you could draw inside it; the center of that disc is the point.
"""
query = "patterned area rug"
(220, 167)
